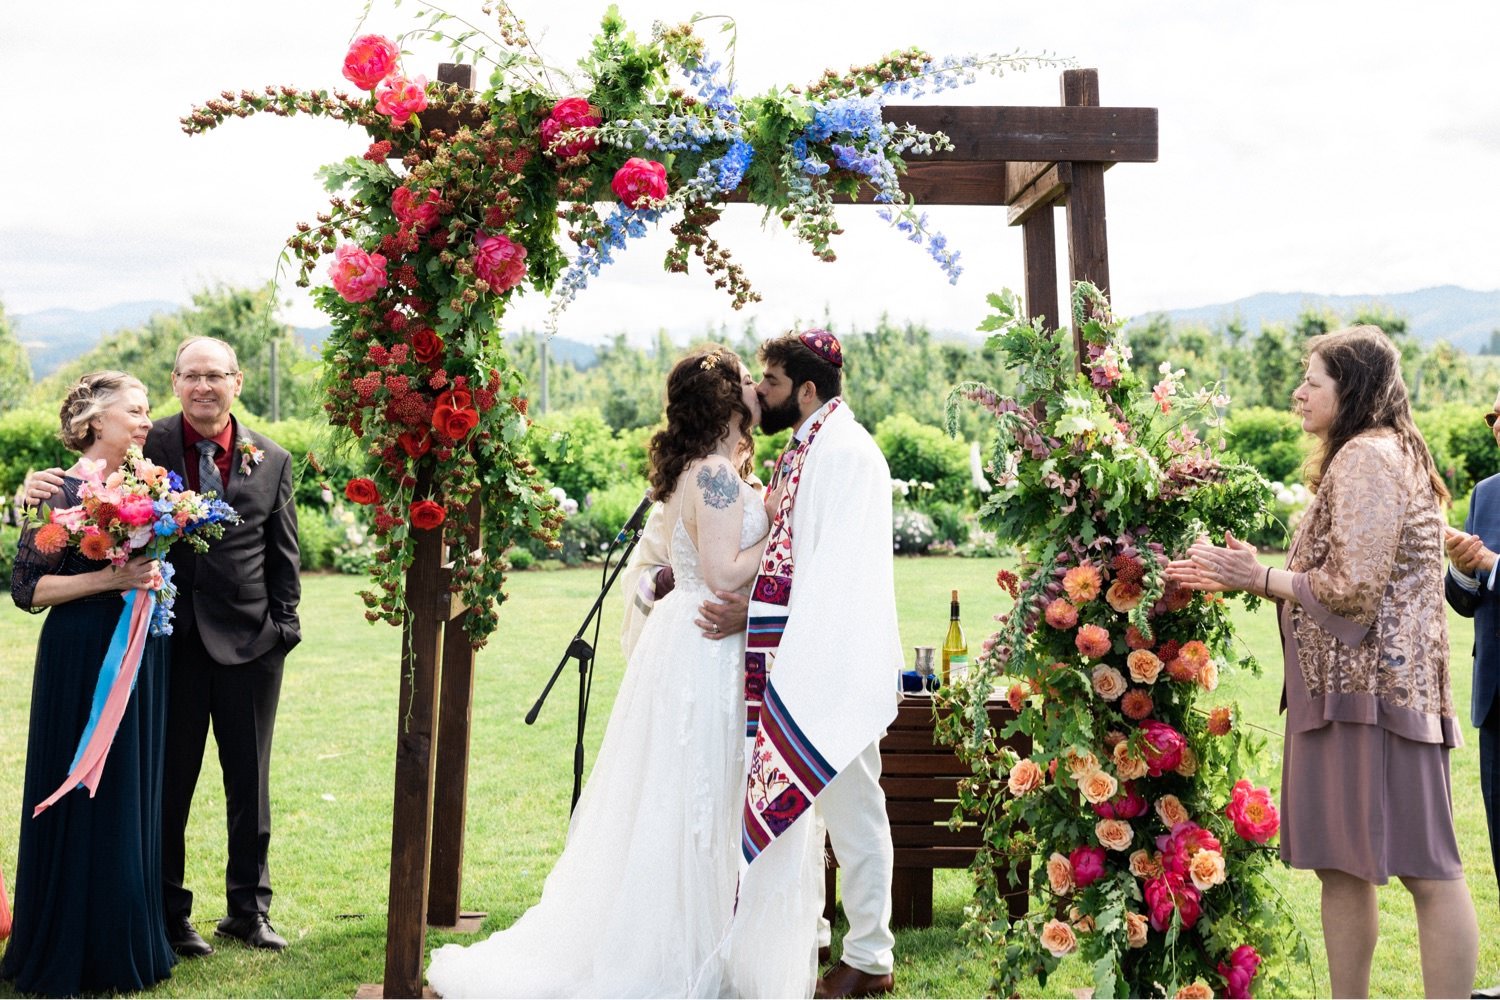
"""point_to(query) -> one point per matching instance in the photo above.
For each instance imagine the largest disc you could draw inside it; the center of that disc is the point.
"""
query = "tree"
(15, 366)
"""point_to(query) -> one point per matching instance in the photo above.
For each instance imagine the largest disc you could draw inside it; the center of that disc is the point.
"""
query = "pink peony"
(1128, 805)
(499, 262)
(569, 113)
(1092, 641)
(136, 510)
(1252, 812)
(1168, 892)
(1088, 865)
(399, 98)
(1061, 615)
(1180, 846)
(1238, 971)
(419, 215)
(357, 275)
(639, 182)
(1162, 747)
(371, 59)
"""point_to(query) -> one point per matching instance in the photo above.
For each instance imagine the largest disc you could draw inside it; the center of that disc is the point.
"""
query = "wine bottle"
(955, 647)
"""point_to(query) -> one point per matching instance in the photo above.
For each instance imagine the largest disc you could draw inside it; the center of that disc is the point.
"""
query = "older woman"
(88, 917)
(1365, 788)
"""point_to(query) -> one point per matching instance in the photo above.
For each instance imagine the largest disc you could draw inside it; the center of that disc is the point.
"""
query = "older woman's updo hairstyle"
(86, 399)
(703, 396)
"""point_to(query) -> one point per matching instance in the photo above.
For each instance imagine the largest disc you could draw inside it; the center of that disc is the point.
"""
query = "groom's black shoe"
(847, 981)
(254, 930)
(1489, 993)
(186, 941)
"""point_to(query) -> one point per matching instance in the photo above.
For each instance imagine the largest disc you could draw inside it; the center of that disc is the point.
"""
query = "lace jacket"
(1369, 621)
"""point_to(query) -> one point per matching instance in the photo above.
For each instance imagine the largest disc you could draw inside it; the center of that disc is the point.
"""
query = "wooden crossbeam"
(1000, 132)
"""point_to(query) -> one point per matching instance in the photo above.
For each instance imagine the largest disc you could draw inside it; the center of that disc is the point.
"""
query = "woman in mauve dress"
(1369, 708)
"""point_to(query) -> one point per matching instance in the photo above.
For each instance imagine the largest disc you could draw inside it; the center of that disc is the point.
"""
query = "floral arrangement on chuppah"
(1149, 839)
(462, 201)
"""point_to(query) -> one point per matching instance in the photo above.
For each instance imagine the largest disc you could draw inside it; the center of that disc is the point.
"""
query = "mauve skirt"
(1360, 799)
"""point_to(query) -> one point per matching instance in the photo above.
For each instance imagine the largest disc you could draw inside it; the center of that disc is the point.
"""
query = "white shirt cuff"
(1464, 580)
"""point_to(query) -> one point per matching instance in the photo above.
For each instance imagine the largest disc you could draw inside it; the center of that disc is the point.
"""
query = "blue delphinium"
(621, 225)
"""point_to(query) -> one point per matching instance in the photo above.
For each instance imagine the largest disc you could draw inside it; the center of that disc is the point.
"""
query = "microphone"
(637, 519)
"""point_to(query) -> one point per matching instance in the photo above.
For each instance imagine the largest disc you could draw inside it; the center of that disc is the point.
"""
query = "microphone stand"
(580, 649)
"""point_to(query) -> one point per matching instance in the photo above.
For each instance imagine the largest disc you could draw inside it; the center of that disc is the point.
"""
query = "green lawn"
(333, 767)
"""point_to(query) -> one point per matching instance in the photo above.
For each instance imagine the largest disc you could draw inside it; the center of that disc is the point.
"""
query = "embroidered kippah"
(825, 345)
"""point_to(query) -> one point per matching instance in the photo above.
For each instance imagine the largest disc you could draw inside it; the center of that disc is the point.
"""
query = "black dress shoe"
(1488, 993)
(254, 930)
(846, 981)
(186, 941)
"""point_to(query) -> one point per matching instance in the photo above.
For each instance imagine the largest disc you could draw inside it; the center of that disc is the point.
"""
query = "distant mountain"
(1460, 316)
(53, 337)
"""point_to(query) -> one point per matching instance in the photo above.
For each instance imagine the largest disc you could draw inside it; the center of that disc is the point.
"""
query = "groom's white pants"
(853, 809)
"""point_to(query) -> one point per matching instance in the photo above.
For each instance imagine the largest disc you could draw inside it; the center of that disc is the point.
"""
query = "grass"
(332, 790)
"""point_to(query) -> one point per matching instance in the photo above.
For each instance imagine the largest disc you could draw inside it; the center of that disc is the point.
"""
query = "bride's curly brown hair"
(703, 396)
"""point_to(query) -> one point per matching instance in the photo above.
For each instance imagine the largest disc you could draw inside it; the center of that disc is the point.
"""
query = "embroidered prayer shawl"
(1370, 625)
(827, 648)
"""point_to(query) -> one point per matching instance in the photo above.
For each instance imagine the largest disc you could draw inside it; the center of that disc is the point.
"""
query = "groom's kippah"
(825, 345)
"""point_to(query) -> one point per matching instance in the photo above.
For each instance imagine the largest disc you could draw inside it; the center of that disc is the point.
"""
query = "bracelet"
(1267, 587)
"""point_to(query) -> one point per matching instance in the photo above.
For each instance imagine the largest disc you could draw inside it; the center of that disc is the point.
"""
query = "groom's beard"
(780, 417)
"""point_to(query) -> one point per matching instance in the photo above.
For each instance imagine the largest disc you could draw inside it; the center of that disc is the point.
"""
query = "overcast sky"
(1332, 147)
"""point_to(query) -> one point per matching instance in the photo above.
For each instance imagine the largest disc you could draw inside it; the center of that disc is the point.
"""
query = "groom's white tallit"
(823, 624)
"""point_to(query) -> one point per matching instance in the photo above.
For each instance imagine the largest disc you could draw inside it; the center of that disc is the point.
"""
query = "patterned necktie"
(208, 469)
(784, 463)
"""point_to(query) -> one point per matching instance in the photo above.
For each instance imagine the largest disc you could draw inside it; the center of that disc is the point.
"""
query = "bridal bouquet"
(140, 509)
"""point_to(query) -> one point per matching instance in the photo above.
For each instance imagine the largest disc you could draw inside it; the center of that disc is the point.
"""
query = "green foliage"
(912, 531)
(29, 441)
(921, 454)
(579, 452)
(15, 366)
(1462, 446)
(1268, 438)
(316, 537)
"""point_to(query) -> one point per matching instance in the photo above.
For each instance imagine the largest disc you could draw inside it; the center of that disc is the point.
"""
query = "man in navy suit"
(1474, 592)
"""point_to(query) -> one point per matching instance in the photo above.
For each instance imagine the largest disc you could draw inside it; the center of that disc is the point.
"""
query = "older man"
(1470, 587)
(236, 619)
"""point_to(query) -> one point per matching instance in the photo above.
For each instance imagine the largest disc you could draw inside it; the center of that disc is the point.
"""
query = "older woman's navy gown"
(88, 910)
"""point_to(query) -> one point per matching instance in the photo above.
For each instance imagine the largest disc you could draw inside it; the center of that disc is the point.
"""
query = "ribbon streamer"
(122, 661)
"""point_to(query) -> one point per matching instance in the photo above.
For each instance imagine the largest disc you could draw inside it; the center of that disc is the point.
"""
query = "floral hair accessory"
(710, 361)
(249, 455)
(825, 345)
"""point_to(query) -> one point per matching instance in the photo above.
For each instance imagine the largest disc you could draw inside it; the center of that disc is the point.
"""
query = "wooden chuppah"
(1030, 159)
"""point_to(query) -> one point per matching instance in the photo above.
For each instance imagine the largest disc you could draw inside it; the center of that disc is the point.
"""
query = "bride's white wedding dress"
(640, 900)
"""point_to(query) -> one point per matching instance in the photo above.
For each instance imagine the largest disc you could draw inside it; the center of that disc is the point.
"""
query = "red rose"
(640, 181)
(427, 514)
(569, 113)
(454, 415)
(415, 443)
(426, 345)
(362, 491)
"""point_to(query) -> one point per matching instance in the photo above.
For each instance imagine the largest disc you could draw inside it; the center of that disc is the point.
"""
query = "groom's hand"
(724, 617)
(40, 486)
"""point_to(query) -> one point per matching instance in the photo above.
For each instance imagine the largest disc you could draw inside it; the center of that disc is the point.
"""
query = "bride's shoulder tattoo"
(720, 486)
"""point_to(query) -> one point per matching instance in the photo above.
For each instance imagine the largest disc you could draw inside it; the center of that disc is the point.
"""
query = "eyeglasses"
(211, 379)
(1490, 418)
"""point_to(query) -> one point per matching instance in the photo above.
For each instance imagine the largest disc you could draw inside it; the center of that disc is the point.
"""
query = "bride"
(643, 893)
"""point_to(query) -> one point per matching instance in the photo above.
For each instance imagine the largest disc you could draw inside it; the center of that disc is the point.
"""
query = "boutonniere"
(249, 455)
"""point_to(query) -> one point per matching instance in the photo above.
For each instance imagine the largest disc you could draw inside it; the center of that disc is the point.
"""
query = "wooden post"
(1088, 243)
(411, 812)
(451, 793)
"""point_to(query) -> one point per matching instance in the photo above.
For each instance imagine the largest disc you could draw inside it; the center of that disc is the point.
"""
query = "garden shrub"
(912, 532)
(578, 451)
(1269, 439)
(29, 441)
(924, 454)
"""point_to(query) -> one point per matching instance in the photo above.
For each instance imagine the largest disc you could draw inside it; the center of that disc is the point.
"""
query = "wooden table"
(920, 780)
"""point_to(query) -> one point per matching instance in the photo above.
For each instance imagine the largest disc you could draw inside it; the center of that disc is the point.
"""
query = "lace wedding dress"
(641, 898)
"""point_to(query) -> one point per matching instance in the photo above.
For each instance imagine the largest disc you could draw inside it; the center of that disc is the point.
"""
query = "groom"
(822, 658)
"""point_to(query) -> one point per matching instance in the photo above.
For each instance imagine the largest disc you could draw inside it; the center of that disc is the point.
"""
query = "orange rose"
(1082, 922)
(1114, 834)
(1097, 786)
(1144, 864)
(1136, 926)
(1128, 766)
(1188, 765)
(1206, 869)
(1025, 777)
(1172, 811)
(1123, 596)
(1109, 683)
(453, 415)
(1195, 991)
(1060, 874)
(1058, 938)
(1208, 677)
(1144, 666)
(1080, 764)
